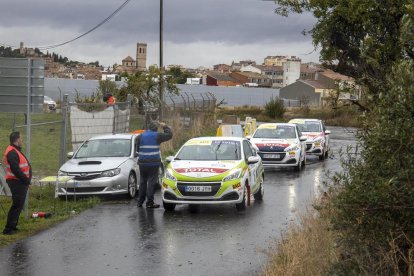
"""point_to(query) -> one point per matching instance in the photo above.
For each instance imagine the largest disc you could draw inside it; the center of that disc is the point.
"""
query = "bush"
(374, 208)
(275, 108)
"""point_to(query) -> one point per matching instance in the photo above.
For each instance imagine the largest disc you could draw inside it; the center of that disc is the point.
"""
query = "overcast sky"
(196, 32)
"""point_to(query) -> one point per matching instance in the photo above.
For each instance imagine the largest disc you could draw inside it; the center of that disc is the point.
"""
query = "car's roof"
(114, 136)
(229, 138)
(275, 124)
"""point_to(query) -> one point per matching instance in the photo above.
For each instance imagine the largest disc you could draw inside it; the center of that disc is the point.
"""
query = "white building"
(291, 71)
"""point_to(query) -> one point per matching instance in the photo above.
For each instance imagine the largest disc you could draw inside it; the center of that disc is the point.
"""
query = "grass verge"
(41, 198)
(307, 249)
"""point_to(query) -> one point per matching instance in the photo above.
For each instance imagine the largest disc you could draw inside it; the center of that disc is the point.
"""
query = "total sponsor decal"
(270, 145)
(205, 170)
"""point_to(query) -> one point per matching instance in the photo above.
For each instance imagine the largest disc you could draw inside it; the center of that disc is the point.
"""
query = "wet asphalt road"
(117, 238)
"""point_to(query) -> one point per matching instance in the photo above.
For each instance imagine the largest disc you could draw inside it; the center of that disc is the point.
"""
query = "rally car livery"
(213, 170)
(317, 142)
(280, 145)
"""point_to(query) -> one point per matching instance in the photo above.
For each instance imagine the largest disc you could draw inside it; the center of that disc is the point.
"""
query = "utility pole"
(161, 115)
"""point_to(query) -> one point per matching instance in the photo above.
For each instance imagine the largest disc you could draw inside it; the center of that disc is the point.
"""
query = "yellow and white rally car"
(317, 142)
(280, 145)
(213, 170)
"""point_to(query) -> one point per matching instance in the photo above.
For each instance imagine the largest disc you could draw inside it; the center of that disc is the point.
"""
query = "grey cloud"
(229, 21)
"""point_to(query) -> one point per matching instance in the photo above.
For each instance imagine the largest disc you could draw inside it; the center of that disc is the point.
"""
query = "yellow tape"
(269, 126)
(198, 142)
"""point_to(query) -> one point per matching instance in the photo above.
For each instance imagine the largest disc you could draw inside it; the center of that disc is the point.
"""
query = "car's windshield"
(46, 98)
(276, 132)
(310, 127)
(105, 148)
(212, 150)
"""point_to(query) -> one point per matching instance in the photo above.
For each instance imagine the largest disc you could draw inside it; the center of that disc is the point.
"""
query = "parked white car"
(317, 142)
(49, 102)
(280, 145)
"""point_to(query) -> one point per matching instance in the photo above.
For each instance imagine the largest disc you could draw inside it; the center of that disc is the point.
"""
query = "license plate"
(204, 189)
(275, 156)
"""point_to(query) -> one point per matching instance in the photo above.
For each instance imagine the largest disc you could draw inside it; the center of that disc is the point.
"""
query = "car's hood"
(93, 164)
(266, 144)
(201, 169)
(312, 135)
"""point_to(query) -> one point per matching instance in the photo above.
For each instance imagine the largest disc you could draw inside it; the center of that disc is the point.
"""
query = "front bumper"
(314, 149)
(229, 193)
(280, 159)
(98, 186)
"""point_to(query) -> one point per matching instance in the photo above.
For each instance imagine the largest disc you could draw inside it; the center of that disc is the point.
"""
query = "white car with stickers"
(317, 142)
(213, 170)
(280, 145)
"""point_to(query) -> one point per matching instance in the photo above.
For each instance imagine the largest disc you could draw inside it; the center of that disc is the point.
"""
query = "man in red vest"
(18, 177)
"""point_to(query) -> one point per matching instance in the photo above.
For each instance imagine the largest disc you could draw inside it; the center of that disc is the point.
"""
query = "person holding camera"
(149, 160)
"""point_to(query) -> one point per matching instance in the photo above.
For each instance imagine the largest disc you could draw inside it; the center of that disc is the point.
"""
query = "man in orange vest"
(109, 99)
(18, 177)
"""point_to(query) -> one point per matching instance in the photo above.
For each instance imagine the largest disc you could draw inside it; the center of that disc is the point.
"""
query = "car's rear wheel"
(260, 193)
(326, 153)
(168, 206)
(242, 205)
(132, 185)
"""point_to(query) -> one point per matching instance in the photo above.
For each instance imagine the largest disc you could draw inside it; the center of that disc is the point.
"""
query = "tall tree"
(373, 204)
(358, 38)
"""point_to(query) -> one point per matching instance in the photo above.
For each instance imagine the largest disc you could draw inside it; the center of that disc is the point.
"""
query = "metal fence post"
(63, 132)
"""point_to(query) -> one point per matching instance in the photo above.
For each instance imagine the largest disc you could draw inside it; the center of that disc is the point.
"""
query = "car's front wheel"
(298, 167)
(242, 205)
(260, 193)
(132, 185)
(168, 206)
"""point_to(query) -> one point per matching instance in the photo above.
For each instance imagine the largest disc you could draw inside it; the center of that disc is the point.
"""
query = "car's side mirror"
(253, 160)
(303, 138)
(327, 132)
(69, 155)
(169, 159)
(248, 137)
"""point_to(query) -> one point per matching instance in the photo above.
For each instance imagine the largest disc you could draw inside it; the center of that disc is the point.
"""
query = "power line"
(88, 32)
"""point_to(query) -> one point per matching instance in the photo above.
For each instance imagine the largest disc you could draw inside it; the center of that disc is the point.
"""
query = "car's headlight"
(110, 173)
(169, 175)
(62, 173)
(234, 175)
(293, 147)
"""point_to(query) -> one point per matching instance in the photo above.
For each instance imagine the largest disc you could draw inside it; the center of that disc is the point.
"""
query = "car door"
(247, 149)
(301, 143)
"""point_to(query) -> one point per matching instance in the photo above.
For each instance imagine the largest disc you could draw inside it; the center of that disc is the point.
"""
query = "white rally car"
(280, 145)
(317, 142)
(213, 170)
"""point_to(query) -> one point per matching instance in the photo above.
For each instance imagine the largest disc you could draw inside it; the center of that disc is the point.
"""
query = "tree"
(357, 38)
(373, 199)
(144, 86)
(179, 75)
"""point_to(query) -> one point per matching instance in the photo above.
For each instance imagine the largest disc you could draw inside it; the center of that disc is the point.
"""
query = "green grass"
(41, 198)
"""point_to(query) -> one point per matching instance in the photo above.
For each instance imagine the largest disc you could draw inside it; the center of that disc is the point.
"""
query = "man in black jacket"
(149, 160)
(18, 177)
